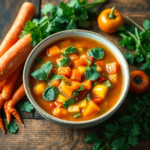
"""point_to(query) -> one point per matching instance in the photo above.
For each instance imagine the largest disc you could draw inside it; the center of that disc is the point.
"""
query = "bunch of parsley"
(67, 16)
(123, 134)
(136, 40)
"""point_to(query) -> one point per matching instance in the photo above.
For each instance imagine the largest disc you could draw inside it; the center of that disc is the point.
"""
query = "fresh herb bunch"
(124, 133)
(67, 16)
(138, 40)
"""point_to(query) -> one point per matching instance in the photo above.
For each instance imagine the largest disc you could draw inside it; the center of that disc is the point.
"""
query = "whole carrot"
(1, 101)
(2, 85)
(12, 102)
(15, 56)
(2, 125)
(8, 114)
(10, 82)
(25, 14)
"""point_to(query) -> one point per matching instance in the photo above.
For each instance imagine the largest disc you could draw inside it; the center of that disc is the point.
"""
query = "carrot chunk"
(91, 109)
(75, 84)
(55, 83)
(58, 104)
(66, 71)
(80, 62)
(100, 63)
(53, 51)
(74, 109)
(60, 112)
(75, 75)
(98, 100)
(87, 84)
(113, 78)
(67, 90)
(102, 79)
(73, 57)
(112, 68)
(39, 88)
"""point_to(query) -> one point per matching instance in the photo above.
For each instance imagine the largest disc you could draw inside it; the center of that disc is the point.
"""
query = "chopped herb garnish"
(107, 83)
(69, 50)
(39, 60)
(50, 93)
(104, 75)
(68, 102)
(56, 66)
(88, 97)
(77, 115)
(65, 62)
(95, 83)
(91, 74)
(43, 72)
(97, 53)
(75, 93)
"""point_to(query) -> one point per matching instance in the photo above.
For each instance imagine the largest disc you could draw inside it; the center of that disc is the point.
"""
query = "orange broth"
(113, 94)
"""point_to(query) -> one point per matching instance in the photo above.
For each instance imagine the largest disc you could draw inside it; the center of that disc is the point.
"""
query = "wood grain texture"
(40, 134)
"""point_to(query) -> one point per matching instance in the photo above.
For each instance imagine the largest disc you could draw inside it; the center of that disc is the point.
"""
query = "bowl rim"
(47, 115)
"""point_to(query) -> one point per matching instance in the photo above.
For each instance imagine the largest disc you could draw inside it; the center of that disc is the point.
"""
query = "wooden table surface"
(40, 134)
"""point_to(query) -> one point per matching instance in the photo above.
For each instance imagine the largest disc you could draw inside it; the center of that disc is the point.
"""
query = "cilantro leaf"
(67, 10)
(129, 57)
(12, 127)
(47, 9)
(125, 119)
(96, 52)
(65, 62)
(75, 92)
(91, 138)
(132, 140)
(26, 106)
(68, 102)
(69, 50)
(135, 130)
(146, 68)
(81, 88)
(39, 60)
(146, 24)
(50, 93)
(43, 72)
(91, 74)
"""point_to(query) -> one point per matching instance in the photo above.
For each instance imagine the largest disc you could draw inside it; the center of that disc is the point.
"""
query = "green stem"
(112, 15)
(135, 23)
(93, 4)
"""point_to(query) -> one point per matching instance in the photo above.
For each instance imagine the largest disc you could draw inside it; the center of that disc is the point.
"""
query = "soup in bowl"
(76, 78)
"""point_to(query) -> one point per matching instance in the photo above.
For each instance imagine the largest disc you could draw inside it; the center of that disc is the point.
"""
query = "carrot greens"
(26, 106)
(67, 16)
(12, 127)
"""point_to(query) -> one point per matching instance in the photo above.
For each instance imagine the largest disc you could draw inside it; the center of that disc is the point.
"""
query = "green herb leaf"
(12, 127)
(129, 57)
(96, 52)
(91, 74)
(47, 9)
(77, 115)
(65, 62)
(75, 93)
(26, 106)
(146, 68)
(43, 72)
(69, 50)
(146, 24)
(68, 102)
(92, 138)
(56, 66)
(95, 84)
(89, 97)
(50, 93)
(39, 60)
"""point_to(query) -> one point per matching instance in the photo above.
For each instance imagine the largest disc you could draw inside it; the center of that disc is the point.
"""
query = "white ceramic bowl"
(76, 33)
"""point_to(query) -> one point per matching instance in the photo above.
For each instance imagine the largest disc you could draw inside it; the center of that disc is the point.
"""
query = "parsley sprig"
(138, 40)
(67, 16)
(124, 133)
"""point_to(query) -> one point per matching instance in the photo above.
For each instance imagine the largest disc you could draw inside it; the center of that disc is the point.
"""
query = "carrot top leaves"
(12, 127)
(26, 106)
(67, 16)
(43, 72)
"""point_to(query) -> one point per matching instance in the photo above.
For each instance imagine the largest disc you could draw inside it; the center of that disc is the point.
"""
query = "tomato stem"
(112, 15)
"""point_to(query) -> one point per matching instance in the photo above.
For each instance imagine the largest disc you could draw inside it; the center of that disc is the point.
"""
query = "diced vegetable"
(88, 62)
(66, 71)
(65, 82)
(73, 56)
(58, 104)
(77, 115)
(74, 109)
(80, 62)
(91, 109)
(53, 51)
(89, 97)
(61, 98)
(82, 69)
(68, 103)
(75, 75)
(59, 61)
(101, 64)
(100, 90)
(52, 104)
(96, 52)
(80, 50)
(87, 84)
(97, 100)
(107, 83)
(65, 43)
(75, 84)
(53, 70)
(113, 78)
(55, 83)
(82, 94)
(112, 68)
(67, 90)
(101, 79)
(60, 112)
(99, 69)
(90, 58)
(39, 88)
(83, 103)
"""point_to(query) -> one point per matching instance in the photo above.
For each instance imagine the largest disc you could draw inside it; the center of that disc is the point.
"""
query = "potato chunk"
(74, 109)
(60, 112)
